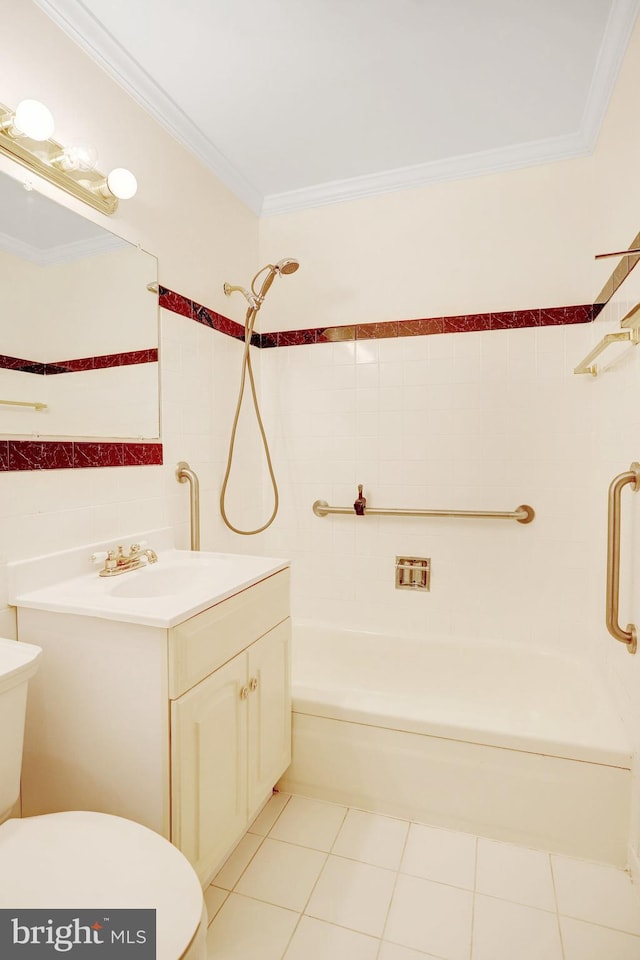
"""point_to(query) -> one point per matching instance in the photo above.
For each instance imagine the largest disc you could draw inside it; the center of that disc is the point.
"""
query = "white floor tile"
(391, 951)
(234, 867)
(595, 892)
(269, 814)
(585, 941)
(505, 931)
(431, 917)
(372, 839)
(214, 897)
(247, 929)
(441, 855)
(317, 940)
(282, 873)
(515, 873)
(352, 894)
(311, 823)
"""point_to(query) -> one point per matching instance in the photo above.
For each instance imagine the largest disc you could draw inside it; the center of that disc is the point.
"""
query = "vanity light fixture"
(25, 136)
(31, 119)
(76, 156)
(121, 183)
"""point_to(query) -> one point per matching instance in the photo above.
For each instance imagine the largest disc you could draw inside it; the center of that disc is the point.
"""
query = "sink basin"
(159, 581)
(180, 585)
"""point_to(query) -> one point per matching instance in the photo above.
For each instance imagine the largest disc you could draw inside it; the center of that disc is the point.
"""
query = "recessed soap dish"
(413, 573)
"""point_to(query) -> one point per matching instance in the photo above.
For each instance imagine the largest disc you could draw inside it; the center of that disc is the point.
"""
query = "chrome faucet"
(117, 561)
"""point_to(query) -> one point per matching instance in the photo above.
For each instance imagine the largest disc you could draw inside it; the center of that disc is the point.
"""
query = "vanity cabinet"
(184, 730)
(230, 742)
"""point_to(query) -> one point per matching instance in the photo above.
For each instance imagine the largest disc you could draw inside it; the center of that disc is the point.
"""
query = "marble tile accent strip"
(81, 363)
(506, 320)
(69, 454)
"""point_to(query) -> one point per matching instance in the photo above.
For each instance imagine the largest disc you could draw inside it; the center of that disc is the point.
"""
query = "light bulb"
(77, 156)
(122, 183)
(32, 119)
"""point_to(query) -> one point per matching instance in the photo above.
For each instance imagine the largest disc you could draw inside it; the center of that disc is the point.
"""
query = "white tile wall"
(484, 420)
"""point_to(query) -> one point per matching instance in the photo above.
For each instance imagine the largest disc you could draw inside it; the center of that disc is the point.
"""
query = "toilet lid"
(94, 860)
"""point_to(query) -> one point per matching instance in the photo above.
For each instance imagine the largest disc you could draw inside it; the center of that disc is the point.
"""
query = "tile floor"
(319, 881)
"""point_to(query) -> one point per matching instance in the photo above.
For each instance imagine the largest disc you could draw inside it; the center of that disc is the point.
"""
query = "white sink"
(159, 581)
(163, 594)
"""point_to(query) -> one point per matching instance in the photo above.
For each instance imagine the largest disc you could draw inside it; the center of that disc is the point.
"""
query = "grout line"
(473, 901)
(327, 854)
(555, 899)
(395, 884)
(257, 817)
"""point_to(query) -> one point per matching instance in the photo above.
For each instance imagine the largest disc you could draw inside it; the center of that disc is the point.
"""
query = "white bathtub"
(495, 739)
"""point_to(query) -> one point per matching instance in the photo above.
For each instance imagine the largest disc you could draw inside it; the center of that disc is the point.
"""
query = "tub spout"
(360, 504)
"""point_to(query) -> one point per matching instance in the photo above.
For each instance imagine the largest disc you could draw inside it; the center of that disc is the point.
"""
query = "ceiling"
(295, 104)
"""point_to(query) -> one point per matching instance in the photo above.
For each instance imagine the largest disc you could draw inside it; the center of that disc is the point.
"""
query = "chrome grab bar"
(523, 513)
(184, 473)
(628, 636)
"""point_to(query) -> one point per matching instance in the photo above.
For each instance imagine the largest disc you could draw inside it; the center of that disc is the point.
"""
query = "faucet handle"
(136, 547)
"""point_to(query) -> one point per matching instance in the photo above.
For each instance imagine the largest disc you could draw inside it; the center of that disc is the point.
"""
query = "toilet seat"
(89, 860)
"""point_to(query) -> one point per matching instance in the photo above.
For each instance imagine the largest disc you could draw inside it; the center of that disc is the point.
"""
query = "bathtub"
(494, 739)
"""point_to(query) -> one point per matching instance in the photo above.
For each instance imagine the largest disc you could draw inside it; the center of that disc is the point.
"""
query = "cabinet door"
(269, 712)
(208, 766)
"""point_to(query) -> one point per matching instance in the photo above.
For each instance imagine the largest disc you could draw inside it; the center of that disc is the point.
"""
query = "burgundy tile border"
(68, 454)
(80, 364)
(142, 454)
(420, 328)
(466, 323)
(335, 334)
(291, 338)
(377, 331)
(175, 302)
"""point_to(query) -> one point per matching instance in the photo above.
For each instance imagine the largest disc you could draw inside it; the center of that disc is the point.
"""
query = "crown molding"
(18, 248)
(77, 22)
(622, 17)
(82, 27)
(64, 252)
(409, 178)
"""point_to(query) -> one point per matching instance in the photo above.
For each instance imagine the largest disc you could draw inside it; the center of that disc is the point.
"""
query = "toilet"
(81, 859)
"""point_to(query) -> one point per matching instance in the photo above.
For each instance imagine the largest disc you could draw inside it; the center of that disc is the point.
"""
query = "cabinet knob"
(253, 683)
(244, 693)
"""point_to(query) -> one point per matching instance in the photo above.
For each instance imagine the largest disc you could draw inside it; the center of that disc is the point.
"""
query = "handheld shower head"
(287, 266)
(255, 299)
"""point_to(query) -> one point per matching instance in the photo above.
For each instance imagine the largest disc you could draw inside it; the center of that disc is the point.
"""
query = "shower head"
(286, 266)
(255, 298)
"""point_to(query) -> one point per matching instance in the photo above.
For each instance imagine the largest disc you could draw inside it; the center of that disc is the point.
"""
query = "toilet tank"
(18, 662)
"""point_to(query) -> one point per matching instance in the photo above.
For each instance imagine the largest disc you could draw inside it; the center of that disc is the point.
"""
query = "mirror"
(78, 326)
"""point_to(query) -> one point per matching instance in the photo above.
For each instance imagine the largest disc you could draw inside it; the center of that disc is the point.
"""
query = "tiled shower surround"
(56, 454)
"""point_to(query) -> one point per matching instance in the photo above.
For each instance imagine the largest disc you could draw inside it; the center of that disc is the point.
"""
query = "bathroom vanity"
(180, 722)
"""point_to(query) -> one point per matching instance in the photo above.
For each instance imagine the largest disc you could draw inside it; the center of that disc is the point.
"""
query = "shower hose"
(247, 370)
